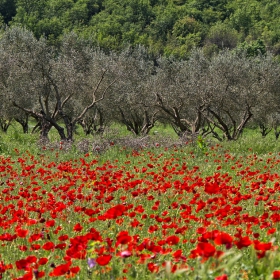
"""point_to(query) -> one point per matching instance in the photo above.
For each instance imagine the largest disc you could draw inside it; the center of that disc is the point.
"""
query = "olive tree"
(132, 98)
(234, 88)
(81, 77)
(55, 86)
(179, 91)
(267, 112)
(96, 119)
(18, 64)
(26, 85)
(5, 114)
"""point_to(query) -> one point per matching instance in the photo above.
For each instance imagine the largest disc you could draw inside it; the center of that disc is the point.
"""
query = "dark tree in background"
(7, 10)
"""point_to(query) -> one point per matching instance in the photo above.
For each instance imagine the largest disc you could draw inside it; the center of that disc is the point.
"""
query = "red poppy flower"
(153, 267)
(60, 269)
(21, 232)
(35, 247)
(115, 212)
(50, 223)
(31, 259)
(63, 237)
(60, 246)
(7, 237)
(78, 227)
(27, 276)
(262, 246)
(23, 248)
(22, 264)
(31, 222)
(172, 240)
(177, 254)
(42, 261)
(34, 237)
(135, 223)
(271, 231)
(243, 242)
(89, 212)
(75, 269)
(103, 259)
(222, 277)
(38, 274)
(200, 205)
(48, 246)
(223, 238)
(95, 235)
(123, 238)
(276, 274)
(205, 249)
(212, 188)
(76, 253)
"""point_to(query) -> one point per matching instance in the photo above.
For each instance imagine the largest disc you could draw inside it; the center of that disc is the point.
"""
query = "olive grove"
(74, 83)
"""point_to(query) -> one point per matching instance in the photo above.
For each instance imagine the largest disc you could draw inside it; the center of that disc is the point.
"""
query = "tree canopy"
(168, 27)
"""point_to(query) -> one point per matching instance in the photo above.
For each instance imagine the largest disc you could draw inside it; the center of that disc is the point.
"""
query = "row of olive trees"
(220, 96)
(75, 84)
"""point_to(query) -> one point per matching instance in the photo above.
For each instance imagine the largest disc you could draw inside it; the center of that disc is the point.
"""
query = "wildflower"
(91, 262)
(276, 274)
(125, 254)
(61, 269)
(103, 259)
(222, 277)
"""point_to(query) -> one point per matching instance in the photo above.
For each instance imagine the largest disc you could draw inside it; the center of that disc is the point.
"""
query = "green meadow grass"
(250, 141)
(250, 153)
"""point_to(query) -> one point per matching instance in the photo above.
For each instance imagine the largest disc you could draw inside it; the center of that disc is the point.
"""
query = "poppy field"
(149, 214)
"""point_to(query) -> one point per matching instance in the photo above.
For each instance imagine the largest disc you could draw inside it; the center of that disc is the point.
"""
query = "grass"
(172, 210)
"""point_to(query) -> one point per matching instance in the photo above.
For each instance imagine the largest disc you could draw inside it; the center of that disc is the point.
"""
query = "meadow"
(187, 210)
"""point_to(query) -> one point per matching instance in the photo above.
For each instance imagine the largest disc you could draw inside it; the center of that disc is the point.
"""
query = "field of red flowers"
(163, 214)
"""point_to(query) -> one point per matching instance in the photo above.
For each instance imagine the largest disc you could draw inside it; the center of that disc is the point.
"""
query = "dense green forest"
(166, 27)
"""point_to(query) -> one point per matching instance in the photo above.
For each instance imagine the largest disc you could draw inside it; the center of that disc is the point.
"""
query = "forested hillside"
(169, 27)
